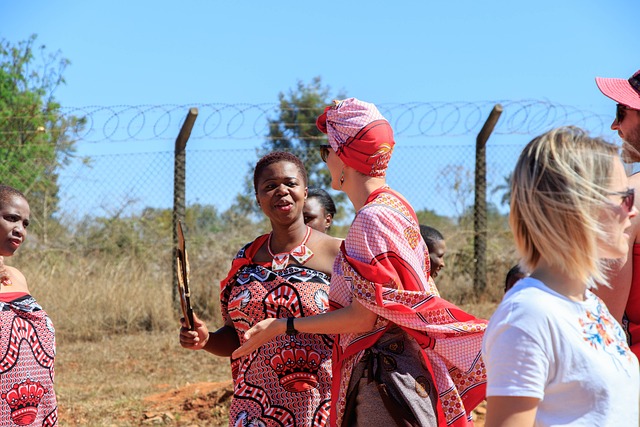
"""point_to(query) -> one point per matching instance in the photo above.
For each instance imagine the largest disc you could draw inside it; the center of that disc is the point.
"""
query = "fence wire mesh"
(124, 161)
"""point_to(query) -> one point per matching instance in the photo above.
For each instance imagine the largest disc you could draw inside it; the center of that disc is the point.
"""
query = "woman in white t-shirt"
(554, 354)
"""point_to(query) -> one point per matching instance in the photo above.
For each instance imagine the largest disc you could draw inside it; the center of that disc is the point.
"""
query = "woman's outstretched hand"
(196, 339)
(259, 334)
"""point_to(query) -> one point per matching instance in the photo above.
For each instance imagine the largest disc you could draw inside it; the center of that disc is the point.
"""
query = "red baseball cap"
(626, 92)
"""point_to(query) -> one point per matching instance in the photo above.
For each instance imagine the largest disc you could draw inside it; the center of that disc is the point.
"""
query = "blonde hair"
(557, 191)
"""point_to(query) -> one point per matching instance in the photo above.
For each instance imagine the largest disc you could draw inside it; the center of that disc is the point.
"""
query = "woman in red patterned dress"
(403, 355)
(27, 337)
(283, 274)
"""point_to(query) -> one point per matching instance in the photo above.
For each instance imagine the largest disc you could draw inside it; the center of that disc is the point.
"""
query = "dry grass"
(105, 382)
(117, 329)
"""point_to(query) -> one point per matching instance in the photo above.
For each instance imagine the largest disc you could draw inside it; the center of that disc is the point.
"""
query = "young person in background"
(514, 274)
(437, 248)
(319, 210)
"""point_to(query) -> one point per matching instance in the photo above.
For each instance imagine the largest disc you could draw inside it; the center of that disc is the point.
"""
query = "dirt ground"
(144, 380)
(206, 404)
(200, 404)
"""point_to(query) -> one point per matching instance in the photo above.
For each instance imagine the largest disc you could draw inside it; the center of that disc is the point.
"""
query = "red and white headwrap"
(361, 137)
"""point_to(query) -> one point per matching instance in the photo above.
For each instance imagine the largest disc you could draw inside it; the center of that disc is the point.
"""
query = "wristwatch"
(290, 329)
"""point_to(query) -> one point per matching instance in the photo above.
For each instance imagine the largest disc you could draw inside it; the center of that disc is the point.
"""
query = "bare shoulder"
(325, 249)
(321, 242)
(334, 245)
(19, 282)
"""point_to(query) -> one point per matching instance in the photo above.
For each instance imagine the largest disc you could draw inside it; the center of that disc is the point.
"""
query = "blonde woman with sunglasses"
(553, 352)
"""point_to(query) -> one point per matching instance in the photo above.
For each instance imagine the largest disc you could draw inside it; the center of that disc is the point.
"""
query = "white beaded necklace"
(300, 253)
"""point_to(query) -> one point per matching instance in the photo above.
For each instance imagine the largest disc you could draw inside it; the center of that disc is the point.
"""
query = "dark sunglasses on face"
(324, 152)
(628, 198)
(620, 112)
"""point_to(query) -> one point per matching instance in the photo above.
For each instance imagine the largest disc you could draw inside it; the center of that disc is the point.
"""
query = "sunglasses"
(324, 152)
(628, 198)
(620, 112)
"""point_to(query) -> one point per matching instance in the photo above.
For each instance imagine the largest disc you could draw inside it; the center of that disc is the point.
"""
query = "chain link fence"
(124, 161)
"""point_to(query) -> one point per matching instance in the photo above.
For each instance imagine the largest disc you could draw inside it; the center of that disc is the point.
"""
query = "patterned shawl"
(244, 257)
(384, 265)
(287, 381)
(28, 348)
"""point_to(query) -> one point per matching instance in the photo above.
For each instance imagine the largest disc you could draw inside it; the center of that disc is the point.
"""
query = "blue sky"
(162, 52)
(169, 52)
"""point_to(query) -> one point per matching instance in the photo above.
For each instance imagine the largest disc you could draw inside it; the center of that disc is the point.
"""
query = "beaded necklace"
(300, 253)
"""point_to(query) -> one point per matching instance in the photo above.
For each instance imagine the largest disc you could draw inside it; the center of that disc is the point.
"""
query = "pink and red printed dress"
(384, 264)
(287, 381)
(27, 352)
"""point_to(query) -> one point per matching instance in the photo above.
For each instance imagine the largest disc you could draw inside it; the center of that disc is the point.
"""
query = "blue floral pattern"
(601, 331)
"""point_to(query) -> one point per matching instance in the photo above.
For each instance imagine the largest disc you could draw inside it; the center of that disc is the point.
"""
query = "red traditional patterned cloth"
(287, 381)
(359, 134)
(631, 320)
(28, 347)
(384, 264)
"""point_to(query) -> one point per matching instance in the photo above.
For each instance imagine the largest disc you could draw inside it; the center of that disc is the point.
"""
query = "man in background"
(623, 297)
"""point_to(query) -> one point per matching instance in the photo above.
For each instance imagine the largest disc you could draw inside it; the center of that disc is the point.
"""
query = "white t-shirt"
(571, 355)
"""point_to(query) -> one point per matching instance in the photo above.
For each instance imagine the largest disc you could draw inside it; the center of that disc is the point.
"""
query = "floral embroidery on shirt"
(601, 331)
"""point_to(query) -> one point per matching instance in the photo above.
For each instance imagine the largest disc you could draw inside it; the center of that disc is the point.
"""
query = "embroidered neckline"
(300, 253)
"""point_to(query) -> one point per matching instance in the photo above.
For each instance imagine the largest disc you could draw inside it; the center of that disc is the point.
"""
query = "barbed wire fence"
(125, 153)
(249, 121)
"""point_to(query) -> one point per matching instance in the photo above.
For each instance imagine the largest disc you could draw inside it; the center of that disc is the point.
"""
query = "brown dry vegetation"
(137, 379)
(118, 359)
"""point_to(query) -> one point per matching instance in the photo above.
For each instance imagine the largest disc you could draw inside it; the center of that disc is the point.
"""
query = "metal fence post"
(179, 188)
(480, 205)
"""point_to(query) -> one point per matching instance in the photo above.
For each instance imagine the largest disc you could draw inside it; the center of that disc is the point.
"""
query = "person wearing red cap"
(623, 296)
(402, 355)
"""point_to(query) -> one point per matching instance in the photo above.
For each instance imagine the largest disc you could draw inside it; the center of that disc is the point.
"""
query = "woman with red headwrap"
(402, 355)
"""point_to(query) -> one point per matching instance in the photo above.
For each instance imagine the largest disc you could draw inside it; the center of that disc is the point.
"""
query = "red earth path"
(207, 404)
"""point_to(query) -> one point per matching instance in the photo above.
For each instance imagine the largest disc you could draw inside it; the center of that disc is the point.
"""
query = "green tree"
(441, 223)
(34, 135)
(294, 130)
